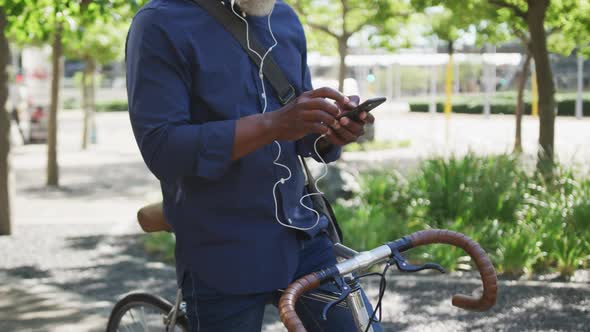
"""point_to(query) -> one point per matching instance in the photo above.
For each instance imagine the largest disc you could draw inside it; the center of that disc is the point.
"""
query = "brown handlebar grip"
(481, 259)
(289, 298)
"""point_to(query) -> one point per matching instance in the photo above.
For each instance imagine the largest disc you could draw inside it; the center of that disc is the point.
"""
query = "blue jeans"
(209, 310)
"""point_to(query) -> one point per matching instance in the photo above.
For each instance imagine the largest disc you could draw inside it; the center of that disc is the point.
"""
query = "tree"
(539, 17)
(448, 27)
(340, 20)
(498, 27)
(56, 22)
(47, 21)
(100, 41)
(542, 17)
(5, 226)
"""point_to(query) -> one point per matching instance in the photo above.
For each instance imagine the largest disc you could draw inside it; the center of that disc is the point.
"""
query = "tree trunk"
(5, 214)
(449, 80)
(84, 104)
(52, 166)
(92, 93)
(88, 102)
(342, 51)
(546, 86)
(524, 73)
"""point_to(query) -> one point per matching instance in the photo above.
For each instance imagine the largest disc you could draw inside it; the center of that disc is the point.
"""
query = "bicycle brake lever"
(345, 291)
(403, 265)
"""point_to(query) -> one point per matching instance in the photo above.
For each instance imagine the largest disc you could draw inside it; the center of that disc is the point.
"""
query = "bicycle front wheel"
(141, 312)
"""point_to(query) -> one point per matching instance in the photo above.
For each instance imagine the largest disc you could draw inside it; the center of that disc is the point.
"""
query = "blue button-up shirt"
(188, 82)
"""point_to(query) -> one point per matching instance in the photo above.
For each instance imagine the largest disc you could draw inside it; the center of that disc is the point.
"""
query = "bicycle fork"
(170, 319)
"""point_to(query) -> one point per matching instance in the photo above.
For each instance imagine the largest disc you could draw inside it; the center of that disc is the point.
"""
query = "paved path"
(433, 135)
(75, 249)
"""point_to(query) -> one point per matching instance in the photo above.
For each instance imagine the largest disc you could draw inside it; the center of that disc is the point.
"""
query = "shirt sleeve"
(305, 146)
(158, 87)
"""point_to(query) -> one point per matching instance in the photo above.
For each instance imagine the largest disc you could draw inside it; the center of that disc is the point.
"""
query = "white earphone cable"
(275, 162)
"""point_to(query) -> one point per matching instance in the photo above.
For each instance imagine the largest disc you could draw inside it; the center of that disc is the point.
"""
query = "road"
(76, 248)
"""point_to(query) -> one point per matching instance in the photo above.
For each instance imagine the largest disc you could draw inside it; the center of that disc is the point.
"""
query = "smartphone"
(367, 106)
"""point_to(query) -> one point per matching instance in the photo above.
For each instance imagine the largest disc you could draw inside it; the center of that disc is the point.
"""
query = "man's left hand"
(348, 131)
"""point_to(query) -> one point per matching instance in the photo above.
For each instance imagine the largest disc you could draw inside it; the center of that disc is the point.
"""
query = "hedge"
(565, 107)
(112, 106)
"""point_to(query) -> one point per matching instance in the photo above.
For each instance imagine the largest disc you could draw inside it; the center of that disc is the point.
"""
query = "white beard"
(256, 7)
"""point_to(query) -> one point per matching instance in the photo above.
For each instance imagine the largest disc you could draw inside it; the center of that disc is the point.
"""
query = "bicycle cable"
(382, 289)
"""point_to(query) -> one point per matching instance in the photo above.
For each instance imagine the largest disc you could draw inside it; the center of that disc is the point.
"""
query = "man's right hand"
(309, 113)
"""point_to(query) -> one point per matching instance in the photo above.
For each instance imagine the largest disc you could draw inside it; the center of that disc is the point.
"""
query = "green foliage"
(562, 211)
(468, 189)
(161, 245)
(107, 106)
(338, 20)
(524, 223)
(378, 213)
(101, 41)
(112, 106)
(376, 145)
(566, 106)
(85, 26)
(519, 249)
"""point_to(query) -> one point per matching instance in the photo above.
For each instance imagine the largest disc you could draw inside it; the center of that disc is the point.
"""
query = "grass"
(377, 145)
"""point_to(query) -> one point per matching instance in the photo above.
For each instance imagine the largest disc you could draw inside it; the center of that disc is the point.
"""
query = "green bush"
(112, 106)
(376, 145)
(161, 245)
(561, 211)
(566, 105)
(524, 223)
(376, 215)
(472, 188)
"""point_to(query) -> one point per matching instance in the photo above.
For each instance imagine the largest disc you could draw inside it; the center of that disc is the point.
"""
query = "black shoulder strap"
(273, 73)
(283, 89)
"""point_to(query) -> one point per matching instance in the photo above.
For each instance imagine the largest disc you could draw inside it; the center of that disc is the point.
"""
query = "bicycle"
(157, 314)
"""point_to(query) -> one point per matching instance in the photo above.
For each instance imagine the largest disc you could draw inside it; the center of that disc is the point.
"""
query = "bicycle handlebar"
(479, 256)
(362, 260)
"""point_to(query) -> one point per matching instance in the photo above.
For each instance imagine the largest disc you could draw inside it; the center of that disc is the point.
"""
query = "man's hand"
(309, 113)
(347, 130)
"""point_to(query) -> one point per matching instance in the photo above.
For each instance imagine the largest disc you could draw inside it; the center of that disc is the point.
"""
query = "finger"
(354, 101)
(345, 134)
(370, 118)
(355, 128)
(321, 104)
(320, 117)
(330, 93)
(336, 140)
(317, 128)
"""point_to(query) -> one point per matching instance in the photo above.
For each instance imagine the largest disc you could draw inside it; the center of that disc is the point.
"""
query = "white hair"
(256, 7)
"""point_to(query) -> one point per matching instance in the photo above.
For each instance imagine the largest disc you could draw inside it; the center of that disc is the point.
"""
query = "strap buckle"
(288, 97)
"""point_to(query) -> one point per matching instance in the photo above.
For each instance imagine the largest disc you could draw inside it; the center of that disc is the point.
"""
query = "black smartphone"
(367, 106)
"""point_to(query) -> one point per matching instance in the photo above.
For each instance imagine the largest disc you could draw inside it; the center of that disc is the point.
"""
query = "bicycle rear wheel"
(139, 312)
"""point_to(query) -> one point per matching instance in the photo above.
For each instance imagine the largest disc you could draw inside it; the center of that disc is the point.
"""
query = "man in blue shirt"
(195, 103)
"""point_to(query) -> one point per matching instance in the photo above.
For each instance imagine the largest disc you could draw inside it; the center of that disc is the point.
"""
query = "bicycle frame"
(350, 261)
(354, 301)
